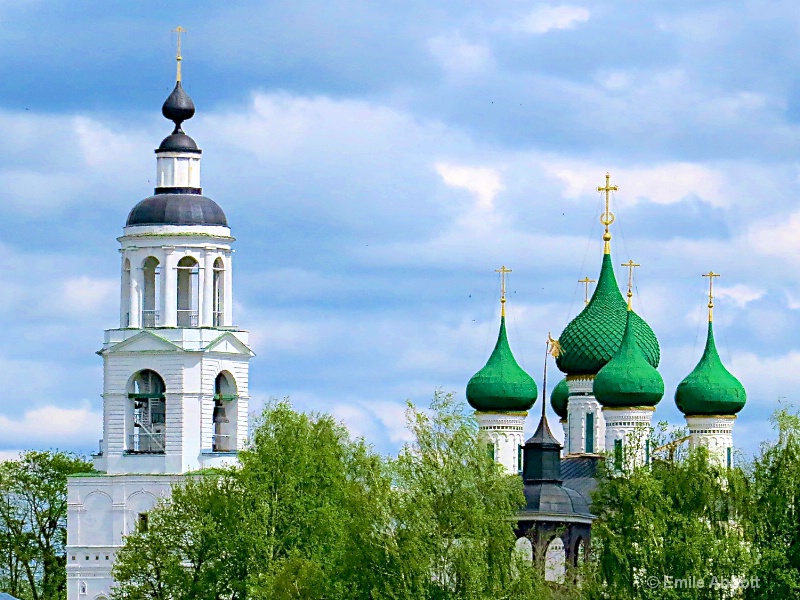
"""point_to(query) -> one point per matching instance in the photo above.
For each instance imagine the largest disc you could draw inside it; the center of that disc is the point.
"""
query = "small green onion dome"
(595, 335)
(710, 389)
(559, 398)
(501, 385)
(628, 379)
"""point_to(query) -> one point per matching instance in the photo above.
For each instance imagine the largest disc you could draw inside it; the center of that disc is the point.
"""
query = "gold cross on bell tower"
(586, 281)
(710, 276)
(503, 271)
(607, 218)
(631, 266)
(179, 30)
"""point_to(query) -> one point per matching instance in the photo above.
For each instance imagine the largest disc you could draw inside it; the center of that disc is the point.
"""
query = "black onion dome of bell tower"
(178, 107)
(177, 205)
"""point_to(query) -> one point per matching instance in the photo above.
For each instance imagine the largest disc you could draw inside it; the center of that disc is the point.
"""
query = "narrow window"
(730, 458)
(490, 450)
(188, 291)
(219, 291)
(618, 454)
(142, 522)
(590, 432)
(225, 414)
(647, 451)
(519, 458)
(152, 270)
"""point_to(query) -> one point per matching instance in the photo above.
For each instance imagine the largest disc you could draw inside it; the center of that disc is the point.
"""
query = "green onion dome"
(710, 389)
(559, 398)
(628, 380)
(501, 385)
(595, 335)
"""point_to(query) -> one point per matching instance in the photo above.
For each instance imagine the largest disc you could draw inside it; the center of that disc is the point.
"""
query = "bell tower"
(175, 370)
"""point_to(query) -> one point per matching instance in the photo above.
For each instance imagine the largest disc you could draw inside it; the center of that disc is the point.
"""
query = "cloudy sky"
(377, 161)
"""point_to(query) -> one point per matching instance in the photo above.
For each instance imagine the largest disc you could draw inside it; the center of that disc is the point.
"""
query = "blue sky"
(377, 161)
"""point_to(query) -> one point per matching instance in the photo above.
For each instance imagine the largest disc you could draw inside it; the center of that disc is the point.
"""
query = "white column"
(504, 431)
(207, 297)
(628, 432)
(136, 287)
(714, 432)
(586, 427)
(227, 309)
(124, 295)
(170, 293)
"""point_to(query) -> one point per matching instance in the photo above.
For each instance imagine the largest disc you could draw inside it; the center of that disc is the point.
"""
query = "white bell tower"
(175, 371)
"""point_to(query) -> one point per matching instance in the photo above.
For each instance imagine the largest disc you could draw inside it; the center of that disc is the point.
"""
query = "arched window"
(148, 417)
(219, 292)
(555, 561)
(152, 272)
(126, 294)
(188, 288)
(225, 414)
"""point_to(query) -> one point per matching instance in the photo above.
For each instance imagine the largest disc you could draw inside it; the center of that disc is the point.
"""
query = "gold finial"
(502, 270)
(553, 346)
(710, 276)
(631, 266)
(179, 30)
(586, 281)
(607, 218)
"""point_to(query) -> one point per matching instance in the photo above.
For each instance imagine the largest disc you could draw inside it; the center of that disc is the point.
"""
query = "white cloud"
(457, 55)
(665, 183)
(484, 182)
(86, 294)
(549, 18)
(740, 294)
(777, 236)
(53, 426)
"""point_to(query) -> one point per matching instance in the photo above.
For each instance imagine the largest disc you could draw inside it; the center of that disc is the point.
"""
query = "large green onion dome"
(559, 398)
(628, 380)
(502, 385)
(595, 335)
(710, 389)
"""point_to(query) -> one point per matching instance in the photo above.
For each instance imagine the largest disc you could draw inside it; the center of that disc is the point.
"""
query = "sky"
(377, 162)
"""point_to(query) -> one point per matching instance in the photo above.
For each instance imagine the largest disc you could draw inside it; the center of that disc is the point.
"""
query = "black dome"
(178, 107)
(177, 209)
(178, 142)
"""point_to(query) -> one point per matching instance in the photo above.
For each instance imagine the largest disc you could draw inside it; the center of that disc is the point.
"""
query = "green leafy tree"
(774, 516)
(33, 515)
(675, 520)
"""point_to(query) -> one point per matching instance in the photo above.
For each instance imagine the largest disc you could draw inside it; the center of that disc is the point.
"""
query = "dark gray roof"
(579, 473)
(555, 499)
(177, 209)
(178, 142)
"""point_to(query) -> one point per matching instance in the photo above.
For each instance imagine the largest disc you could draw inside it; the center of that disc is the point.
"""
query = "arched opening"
(147, 411)
(188, 291)
(555, 561)
(225, 414)
(580, 552)
(219, 292)
(125, 321)
(96, 521)
(151, 275)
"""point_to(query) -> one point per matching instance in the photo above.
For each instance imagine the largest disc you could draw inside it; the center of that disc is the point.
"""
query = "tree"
(774, 515)
(33, 514)
(674, 520)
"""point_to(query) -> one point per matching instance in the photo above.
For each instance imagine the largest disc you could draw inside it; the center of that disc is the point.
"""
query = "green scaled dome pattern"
(628, 380)
(501, 385)
(595, 335)
(559, 398)
(710, 389)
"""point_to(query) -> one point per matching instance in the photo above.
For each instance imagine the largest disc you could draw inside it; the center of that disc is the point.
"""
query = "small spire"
(607, 218)
(586, 281)
(502, 270)
(179, 30)
(631, 266)
(710, 276)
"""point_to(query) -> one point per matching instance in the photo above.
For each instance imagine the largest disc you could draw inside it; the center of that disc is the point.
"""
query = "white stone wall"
(101, 510)
(505, 432)
(582, 403)
(714, 433)
(631, 427)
